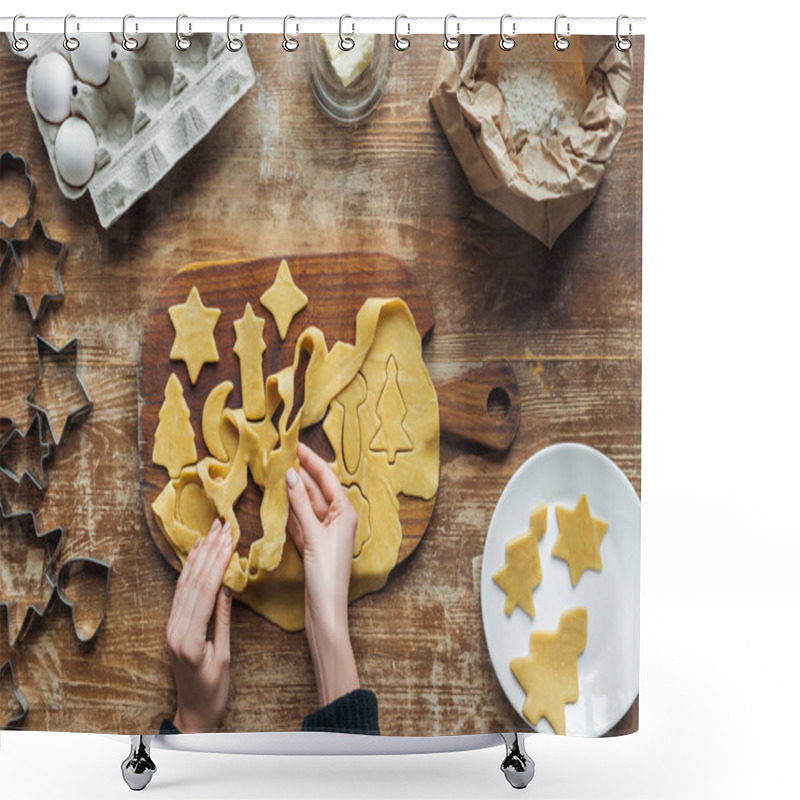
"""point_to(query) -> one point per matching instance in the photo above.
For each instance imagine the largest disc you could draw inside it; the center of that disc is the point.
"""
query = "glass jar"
(349, 84)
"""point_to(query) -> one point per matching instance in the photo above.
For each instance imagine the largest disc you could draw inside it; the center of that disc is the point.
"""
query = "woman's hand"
(202, 666)
(322, 523)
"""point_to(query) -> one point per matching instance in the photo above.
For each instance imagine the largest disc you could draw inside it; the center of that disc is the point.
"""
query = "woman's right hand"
(322, 524)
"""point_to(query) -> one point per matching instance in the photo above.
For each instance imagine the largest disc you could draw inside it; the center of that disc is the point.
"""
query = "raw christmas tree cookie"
(549, 674)
(283, 299)
(194, 334)
(174, 444)
(522, 572)
(579, 538)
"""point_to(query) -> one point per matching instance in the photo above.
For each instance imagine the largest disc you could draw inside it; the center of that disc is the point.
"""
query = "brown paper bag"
(542, 184)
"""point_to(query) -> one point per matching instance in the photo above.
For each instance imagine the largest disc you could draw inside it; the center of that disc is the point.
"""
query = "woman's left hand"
(202, 665)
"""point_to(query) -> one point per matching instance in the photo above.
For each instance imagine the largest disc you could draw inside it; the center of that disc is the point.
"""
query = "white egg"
(75, 151)
(90, 60)
(52, 86)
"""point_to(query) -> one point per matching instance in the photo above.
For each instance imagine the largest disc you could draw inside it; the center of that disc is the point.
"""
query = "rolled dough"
(270, 578)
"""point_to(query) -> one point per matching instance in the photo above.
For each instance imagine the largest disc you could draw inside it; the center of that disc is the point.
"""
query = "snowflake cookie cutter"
(81, 563)
(14, 720)
(20, 248)
(11, 162)
(7, 444)
(45, 351)
(19, 624)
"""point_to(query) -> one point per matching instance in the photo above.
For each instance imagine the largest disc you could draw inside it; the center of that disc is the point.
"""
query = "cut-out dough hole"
(315, 438)
(248, 508)
(299, 385)
(498, 404)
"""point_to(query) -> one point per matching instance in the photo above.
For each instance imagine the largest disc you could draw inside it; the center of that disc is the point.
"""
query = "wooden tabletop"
(276, 177)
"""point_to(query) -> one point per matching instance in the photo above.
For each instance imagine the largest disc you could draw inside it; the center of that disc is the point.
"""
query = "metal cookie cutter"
(40, 480)
(75, 565)
(22, 703)
(44, 352)
(11, 163)
(7, 427)
(5, 255)
(24, 523)
(38, 239)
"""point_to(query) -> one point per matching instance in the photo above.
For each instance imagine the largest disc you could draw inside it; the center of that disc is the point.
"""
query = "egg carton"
(156, 105)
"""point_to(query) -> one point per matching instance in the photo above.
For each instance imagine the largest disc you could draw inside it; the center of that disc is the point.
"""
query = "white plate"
(608, 669)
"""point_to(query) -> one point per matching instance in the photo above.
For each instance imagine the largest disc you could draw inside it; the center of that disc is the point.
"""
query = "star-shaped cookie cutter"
(7, 427)
(33, 609)
(39, 482)
(44, 350)
(13, 721)
(63, 577)
(38, 237)
(9, 161)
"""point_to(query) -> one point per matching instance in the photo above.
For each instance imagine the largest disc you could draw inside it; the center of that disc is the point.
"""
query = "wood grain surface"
(277, 177)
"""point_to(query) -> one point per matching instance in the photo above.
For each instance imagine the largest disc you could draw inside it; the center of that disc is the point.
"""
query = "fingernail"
(227, 590)
(226, 528)
(291, 477)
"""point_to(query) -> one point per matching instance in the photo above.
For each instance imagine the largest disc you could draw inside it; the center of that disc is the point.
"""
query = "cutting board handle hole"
(498, 404)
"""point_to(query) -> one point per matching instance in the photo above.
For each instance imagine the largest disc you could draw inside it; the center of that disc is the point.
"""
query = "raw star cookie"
(579, 538)
(194, 333)
(174, 444)
(283, 299)
(522, 572)
(549, 674)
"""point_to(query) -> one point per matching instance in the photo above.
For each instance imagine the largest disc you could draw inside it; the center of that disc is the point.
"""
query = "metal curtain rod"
(299, 25)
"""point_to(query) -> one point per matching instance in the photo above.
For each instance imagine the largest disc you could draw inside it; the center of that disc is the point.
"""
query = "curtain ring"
(345, 42)
(70, 42)
(128, 42)
(181, 41)
(506, 42)
(290, 44)
(623, 42)
(234, 43)
(560, 42)
(401, 43)
(451, 42)
(19, 43)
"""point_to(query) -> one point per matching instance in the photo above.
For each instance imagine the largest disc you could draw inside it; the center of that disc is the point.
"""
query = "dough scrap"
(549, 674)
(579, 538)
(174, 446)
(270, 579)
(250, 348)
(522, 572)
(194, 326)
(283, 299)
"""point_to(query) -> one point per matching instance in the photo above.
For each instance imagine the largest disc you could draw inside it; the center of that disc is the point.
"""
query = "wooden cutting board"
(336, 286)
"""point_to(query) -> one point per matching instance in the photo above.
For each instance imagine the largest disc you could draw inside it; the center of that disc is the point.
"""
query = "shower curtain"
(320, 384)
